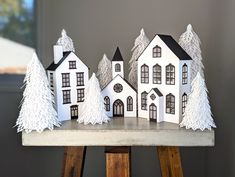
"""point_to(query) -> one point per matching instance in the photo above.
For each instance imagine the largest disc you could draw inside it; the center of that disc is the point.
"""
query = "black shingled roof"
(117, 56)
(53, 66)
(157, 91)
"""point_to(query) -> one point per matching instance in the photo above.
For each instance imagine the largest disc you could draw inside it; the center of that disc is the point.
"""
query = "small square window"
(72, 65)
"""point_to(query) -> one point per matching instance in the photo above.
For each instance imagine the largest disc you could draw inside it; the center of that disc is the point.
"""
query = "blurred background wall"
(99, 26)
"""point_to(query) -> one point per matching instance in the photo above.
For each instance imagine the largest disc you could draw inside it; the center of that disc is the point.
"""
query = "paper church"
(119, 96)
(68, 76)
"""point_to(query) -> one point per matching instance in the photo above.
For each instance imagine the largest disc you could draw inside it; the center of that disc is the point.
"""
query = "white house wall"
(114, 73)
(113, 96)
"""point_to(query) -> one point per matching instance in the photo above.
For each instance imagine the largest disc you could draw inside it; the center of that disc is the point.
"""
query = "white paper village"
(163, 82)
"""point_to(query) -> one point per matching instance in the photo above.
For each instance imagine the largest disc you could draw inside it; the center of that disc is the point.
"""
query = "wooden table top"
(120, 132)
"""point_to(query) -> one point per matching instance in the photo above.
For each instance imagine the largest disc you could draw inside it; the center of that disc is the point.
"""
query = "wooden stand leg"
(74, 158)
(118, 163)
(170, 162)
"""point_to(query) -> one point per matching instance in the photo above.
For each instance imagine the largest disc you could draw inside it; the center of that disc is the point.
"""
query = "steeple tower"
(117, 64)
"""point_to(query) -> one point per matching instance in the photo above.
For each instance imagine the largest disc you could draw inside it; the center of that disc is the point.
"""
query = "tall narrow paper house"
(68, 76)
(163, 80)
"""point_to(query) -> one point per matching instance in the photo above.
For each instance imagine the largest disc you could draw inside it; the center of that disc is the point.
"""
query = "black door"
(118, 109)
(153, 112)
(74, 111)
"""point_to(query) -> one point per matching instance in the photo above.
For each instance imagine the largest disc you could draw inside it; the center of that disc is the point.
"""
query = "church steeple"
(117, 64)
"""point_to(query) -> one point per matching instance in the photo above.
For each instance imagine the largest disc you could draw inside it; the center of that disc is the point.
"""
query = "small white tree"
(104, 72)
(190, 42)
(197, 113)
(140, 44)
(93, 110)
(37, 108)
(66, 42)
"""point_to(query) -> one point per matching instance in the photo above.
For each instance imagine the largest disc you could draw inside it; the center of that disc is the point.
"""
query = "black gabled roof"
(157, 91)
(53, 66)
(117, 55)
(175, 47)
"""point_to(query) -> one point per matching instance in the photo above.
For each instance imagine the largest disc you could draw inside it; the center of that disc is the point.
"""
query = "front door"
(118, 108)
(74, 111)
(153, 112)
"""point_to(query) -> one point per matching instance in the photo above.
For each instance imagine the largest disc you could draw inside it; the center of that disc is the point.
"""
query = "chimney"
(58, 53)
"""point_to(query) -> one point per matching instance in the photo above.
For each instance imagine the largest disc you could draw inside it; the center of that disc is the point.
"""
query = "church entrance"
(153, 112)
(118, 108)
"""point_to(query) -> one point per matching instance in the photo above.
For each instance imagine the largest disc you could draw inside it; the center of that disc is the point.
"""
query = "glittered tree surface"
(37, 106)
(104, 73)
(66, 42)
(92, 110)
(197, 113)
(190, 42)
(140, 44)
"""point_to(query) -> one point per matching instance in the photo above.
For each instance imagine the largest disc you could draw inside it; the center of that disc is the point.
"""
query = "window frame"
(170, 75)
(65, 79)
(170, 103)
(157, 52)
(80, 95)
(117, 67)
(184, 102)
(80, 78)
(157, 74)
(72, 64)
(51, 75)
(144, 76)
(144, 100)
(107, 103)
(184, 74)
(129, 103)
(66, 94)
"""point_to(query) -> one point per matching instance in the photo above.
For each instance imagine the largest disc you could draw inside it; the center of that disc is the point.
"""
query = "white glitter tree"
(190, 42)
(140, 44)
(104, 72)
(197, 113)
(92, 110)
(37, 106)
(66, 42)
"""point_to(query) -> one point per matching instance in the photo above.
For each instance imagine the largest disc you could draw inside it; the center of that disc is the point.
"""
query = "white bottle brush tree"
(66, 42)
(197, 113)
(92, 110)
(140, 44)
(104, 72)
(190, 42)
(37, 106)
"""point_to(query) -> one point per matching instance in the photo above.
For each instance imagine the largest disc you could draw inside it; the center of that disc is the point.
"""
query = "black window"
(129, 103)
(144, 100)
(72, 65)
(51, 79)
(107, 103)
(184, 102)
(170, 74)
(66, 96)
(184, 74)
(117, 67)
(144, 74)
(80, 79)
(170, 104)
(157, 51)
(80, 95)
(65, 80)
(157, 79)
(117, 88)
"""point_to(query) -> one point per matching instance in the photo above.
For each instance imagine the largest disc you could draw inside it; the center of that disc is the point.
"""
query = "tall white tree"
(190, 42)
(37, 106)
(93, 110)
(140, 44)
(104, 72)
(197, 113)
(66, 42)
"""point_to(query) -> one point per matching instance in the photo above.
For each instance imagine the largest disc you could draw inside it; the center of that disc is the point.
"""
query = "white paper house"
(163, 80)
(68, 76)
(119, 96)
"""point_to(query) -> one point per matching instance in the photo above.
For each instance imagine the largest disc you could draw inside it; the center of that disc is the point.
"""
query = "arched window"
(129, 103)
(107, 103)
(184, 74)
(117, 67)
(184, 102)
(170, 74)
(144, 74)
(170, 104)
(157, 79)
(157, 51)
(144, 100)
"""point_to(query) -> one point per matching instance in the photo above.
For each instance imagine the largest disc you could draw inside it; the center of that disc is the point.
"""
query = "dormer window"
(117, 67)
(72, 65)
(157, 52)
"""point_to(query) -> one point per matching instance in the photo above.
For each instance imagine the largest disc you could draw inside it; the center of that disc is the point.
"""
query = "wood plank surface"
(74, 159)
(170, 162)
(118, 163)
